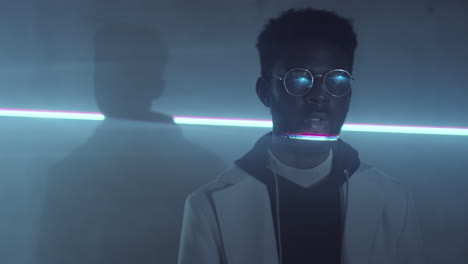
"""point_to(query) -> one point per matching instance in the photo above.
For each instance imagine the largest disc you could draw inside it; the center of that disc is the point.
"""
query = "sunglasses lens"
(298, 81)
(338, 83)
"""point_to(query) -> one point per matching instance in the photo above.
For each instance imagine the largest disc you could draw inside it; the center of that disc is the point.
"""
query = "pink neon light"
(311, 135)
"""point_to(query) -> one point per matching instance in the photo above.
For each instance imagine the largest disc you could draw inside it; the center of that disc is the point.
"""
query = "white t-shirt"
(302, 177)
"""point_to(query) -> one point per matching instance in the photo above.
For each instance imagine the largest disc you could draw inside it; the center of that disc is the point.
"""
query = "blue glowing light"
(314, 137)
(51, 114)
(187, 120)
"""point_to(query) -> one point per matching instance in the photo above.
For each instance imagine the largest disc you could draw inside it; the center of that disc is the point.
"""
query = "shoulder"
(392, 190)
(371, 175)
(229, 178)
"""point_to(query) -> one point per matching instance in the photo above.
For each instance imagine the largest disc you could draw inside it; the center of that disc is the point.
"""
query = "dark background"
(410, 69)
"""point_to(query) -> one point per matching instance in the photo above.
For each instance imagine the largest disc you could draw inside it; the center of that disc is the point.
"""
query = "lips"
(313, 125)
(316, 122)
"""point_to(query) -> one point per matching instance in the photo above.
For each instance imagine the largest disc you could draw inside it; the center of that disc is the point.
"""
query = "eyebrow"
(327, 69)
(322, 71)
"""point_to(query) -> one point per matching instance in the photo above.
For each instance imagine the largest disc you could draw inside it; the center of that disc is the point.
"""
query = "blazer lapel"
(246, 224)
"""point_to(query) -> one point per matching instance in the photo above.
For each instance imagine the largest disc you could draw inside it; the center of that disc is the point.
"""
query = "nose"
(316, 95)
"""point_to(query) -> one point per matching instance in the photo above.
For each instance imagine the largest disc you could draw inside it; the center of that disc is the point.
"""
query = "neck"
(300, 154)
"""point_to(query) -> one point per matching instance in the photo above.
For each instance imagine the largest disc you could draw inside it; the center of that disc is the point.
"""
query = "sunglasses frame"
(324, 86)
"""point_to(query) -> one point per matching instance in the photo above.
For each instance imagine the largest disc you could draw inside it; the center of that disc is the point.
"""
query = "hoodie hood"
(345, 161)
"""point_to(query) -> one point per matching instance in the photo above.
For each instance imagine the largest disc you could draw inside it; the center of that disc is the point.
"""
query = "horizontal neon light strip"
(314, 137)
(51, 114)
(186, 120)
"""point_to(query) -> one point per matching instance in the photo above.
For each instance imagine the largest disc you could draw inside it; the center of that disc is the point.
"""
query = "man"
(119, 197)
(301, 195)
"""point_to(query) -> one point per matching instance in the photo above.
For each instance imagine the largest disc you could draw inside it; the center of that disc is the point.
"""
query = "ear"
(263, 91)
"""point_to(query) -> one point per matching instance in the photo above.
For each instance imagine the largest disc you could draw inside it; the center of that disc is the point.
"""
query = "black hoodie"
(311, 222)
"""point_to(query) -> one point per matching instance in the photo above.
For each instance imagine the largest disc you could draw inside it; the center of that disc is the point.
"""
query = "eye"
(338, 82)
(298, 81)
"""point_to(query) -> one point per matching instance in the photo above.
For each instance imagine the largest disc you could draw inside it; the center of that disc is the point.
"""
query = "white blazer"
(229, 221)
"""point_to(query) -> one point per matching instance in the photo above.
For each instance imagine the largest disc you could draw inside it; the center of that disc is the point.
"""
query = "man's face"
(292, 114)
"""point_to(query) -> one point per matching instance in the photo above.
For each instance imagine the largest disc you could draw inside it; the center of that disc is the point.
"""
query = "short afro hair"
(304, 26)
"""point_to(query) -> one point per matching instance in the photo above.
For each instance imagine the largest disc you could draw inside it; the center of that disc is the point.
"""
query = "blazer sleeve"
(200, 241)
(410, 250)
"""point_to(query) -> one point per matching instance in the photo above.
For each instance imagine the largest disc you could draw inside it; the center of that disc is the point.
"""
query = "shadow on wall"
(119, 197)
